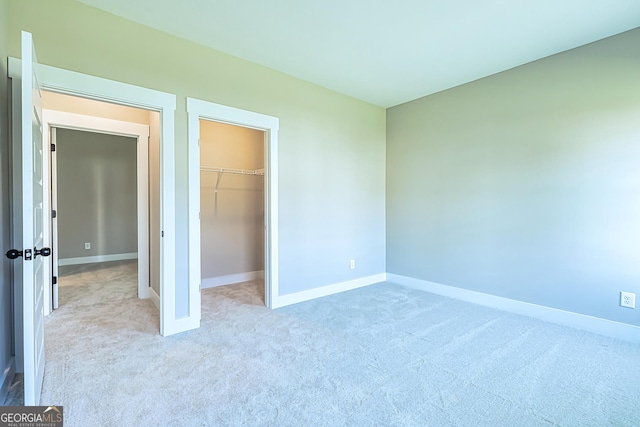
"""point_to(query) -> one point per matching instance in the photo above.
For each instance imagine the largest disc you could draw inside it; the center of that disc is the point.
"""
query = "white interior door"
(32, 226)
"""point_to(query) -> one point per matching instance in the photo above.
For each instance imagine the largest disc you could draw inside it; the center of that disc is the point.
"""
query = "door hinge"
(162, 233)
(55, 280)
(54, 213)
(53, 147)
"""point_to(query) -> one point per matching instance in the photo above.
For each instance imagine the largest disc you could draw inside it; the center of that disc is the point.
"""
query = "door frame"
(53, 119)
(197, 110)
(77, 84)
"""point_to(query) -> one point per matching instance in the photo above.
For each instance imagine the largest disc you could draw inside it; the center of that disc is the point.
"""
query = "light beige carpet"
(383, 355)
(99, 283)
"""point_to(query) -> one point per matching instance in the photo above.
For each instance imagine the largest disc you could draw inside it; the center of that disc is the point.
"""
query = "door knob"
(42, 252)
(13, 253)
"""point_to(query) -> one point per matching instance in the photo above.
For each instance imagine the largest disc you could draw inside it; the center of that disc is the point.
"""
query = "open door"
(32, 225)
(30, 267)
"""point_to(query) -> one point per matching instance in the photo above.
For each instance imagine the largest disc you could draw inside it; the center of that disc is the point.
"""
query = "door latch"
(14, 253)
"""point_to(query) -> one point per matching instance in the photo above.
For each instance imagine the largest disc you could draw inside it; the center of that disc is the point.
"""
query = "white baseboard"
(324, 291)
(212, 282)
(8, 373)
(596, 325)
(144, 292)
(96, 258)
(155, 298)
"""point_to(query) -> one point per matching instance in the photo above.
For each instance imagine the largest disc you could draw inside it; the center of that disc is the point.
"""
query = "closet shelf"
(222, 171)
(232, 170)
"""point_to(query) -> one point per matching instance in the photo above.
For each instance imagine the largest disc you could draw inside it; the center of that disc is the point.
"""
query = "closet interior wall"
(232, 204)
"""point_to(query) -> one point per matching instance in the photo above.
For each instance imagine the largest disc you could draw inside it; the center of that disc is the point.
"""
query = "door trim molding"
(198, 109)
(64, 120)
(72, 83)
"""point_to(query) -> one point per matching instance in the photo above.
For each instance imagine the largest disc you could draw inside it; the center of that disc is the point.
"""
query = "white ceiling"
(385, 52)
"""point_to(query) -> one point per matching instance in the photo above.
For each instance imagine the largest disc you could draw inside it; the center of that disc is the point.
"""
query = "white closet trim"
(197, 110)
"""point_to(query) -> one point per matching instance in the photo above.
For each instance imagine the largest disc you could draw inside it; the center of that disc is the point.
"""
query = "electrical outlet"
(628, 299)
(352, 264)
(87, 245)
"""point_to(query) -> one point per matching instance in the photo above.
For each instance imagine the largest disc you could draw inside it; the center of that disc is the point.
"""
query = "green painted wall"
(332, 147)
(525, 184)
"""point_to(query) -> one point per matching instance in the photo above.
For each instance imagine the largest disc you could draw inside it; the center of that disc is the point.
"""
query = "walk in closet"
(231, 203)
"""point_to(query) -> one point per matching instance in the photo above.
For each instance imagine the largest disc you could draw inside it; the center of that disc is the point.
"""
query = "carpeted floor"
(99, 283)
(383, 355)
(82, 286)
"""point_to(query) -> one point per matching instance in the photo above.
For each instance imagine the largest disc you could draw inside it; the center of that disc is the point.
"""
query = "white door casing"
(51, 292)
(198, 110)
(57, 119)
(78, 84)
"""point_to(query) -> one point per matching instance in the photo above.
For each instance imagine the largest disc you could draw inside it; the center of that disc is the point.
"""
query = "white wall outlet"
(628, 299)
(87, 245)
(352, 264)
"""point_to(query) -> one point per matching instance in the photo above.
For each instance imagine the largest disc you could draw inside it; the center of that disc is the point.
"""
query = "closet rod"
(232, 170)
(222, 171)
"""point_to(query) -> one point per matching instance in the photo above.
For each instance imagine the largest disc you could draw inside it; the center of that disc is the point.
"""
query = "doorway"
(28, 79)
(231, 204)
(89, 87)
(113, 212)
(96, 214)
(268, 126)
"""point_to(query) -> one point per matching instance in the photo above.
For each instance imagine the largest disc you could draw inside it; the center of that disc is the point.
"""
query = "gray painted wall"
(525, 184)
(6, 336)
(232, 220)
(97, 199)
